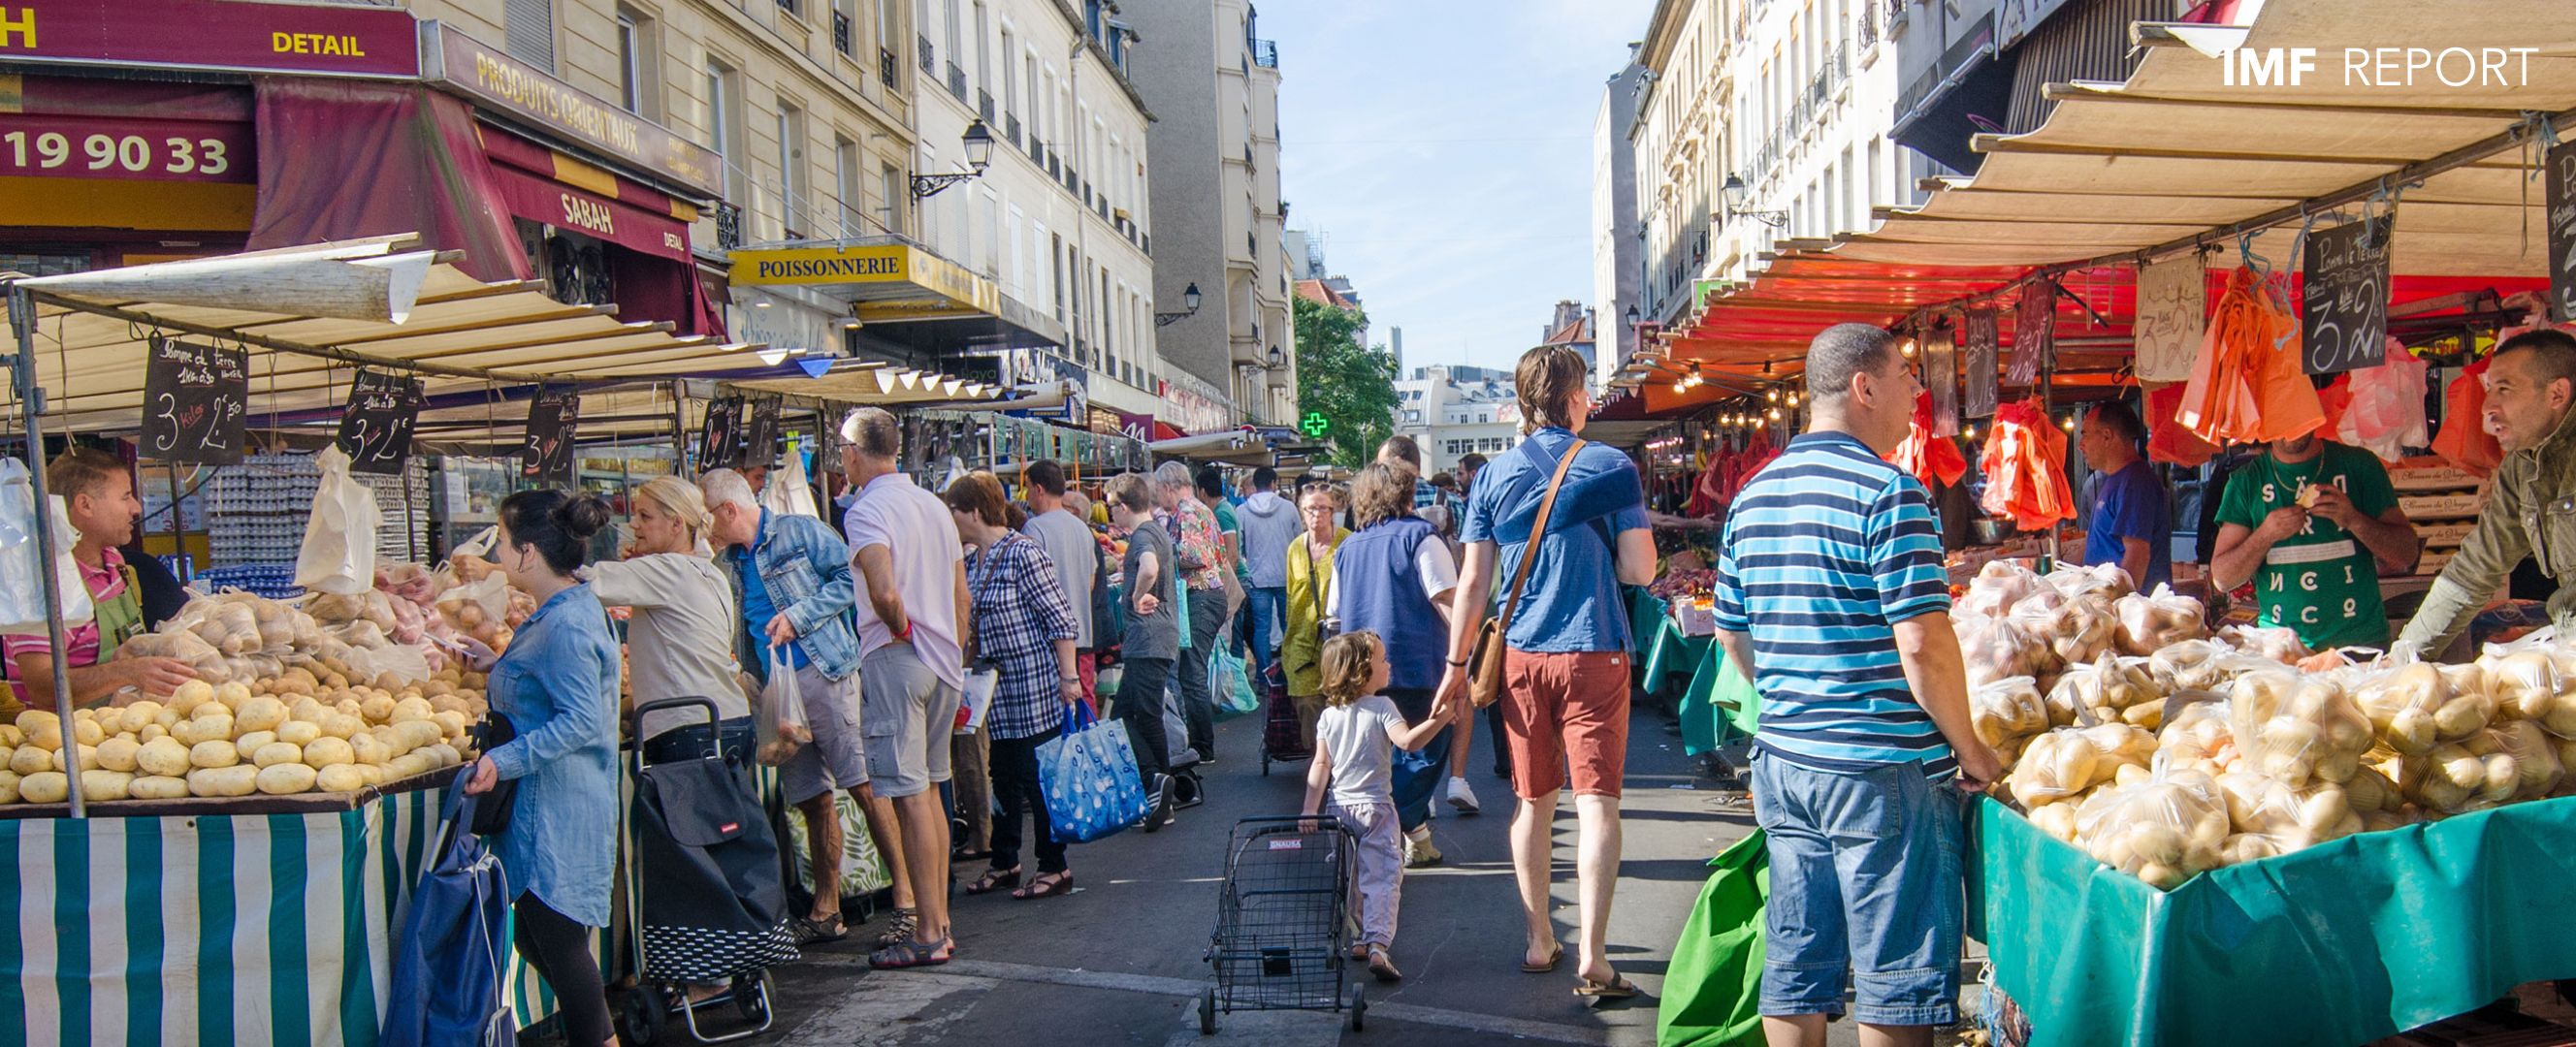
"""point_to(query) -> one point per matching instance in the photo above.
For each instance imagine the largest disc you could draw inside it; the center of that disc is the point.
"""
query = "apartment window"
(528, 31)
(889, 24)
(846, 184)
(1108, 323)
(724, 130)
(1055, 273)
(956, 30)
(793, 191)
(1010, 77)
(892, 190)
(992, 234)
(983, 49)
(630, 62)
(1029, 75)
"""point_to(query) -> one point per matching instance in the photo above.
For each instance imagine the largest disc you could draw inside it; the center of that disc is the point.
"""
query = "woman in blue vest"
(1393, 577)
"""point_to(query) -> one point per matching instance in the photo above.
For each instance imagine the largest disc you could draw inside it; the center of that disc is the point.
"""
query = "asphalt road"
(1120, 961)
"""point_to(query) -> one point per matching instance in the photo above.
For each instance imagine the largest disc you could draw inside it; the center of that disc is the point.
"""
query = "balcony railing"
(885, 66)
(929, 58)
(1265, 53)
(1011, 128)
(1868, 26)
(984, 105)
(728, 226)
(956, 81)
(841, 34)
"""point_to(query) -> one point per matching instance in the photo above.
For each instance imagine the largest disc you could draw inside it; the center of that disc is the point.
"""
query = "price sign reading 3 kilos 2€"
(194, 400)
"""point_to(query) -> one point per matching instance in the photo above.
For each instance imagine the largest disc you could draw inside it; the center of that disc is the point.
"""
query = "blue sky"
(1444, 150)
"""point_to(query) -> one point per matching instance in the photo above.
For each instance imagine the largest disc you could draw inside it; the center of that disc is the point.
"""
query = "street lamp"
(1734, 192)
(979, 154)
(1189, 307)
(1277, 358)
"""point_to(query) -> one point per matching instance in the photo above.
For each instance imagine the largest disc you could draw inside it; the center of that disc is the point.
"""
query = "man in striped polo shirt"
(1830, 594)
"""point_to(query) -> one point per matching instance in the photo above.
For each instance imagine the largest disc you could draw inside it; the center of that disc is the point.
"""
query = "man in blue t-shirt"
(1565, 663)
(2129, 524)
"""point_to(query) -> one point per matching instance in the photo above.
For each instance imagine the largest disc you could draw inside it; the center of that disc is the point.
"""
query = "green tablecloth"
(2337, 944)
(1717, 703)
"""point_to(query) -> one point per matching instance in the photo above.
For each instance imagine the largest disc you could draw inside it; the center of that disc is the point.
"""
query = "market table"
(2339, 943)
(1663, 650)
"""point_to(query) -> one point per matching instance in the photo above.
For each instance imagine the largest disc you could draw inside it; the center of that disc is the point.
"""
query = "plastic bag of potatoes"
(2415, 707)
(2110, 689)
(2007, 713)
(2297, 729)
(1999, 648)
(2151, 622)
(2163, 829)
(2065, 762)
(2535, 683)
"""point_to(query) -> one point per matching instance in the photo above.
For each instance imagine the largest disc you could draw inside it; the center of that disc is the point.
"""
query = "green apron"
(120, 619)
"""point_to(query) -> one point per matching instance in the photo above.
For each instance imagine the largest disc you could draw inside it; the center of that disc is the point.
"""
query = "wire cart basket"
(1283, 920)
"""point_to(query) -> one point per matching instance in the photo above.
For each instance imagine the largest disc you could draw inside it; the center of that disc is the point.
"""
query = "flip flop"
(1618, 988)
(1553, 956)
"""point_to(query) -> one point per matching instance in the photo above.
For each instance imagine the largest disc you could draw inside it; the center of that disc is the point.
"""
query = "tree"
(1351, 385)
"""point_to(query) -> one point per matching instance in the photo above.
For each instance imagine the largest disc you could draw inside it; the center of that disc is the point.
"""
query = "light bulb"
(1793, 398)
(2069, 423)
(1972, 432)
(1772, 395)
(1907, 348)
(1775, 414)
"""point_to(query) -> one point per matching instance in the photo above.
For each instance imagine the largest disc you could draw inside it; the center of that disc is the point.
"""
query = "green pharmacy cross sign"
(1315, 424)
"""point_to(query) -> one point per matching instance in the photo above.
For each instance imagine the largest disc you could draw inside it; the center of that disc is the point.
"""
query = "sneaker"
(1160, 813)
(1462, 797)
(1418, 851)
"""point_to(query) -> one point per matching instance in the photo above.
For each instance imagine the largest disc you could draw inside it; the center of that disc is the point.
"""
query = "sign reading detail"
(186, 34)
(553, 415)
(376, 428)
(2344, 317)
(194, 397)
(490, 76)
(2560, 179)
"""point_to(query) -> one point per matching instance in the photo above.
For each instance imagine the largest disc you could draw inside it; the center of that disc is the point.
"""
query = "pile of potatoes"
(307, 729)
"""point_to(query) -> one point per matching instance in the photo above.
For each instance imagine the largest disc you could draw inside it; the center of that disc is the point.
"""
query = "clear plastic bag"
(2413, 707)
(2069, 760)
(2386, 414)
(1998, 586)
(780, 725)
(2083, 628)
(22, 578)
(2196, 735)
(2297, 729)
(2007, 713)
(2532, 683)
(2105, 580)
(2190, 665)
(2292, 818)
(1997, 648)
(2164, 829)
(2148, 623)
(2110, 689)
(2280, 645)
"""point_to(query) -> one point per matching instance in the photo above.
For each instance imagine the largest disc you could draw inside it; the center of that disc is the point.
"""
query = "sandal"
(1553, 956)
(1381, 966)
(1047, 885)
(900, 929)
(911, 954)
(1617, 988)
(808, 930)
(994, 880)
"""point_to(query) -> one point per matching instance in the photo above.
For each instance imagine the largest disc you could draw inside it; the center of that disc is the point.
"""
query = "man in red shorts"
(1565, 673)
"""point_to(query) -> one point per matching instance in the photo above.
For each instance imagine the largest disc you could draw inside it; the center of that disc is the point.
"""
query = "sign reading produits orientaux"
(491, 76)
(338, 40)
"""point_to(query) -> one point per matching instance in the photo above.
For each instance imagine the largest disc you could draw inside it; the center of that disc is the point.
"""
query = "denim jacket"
(558, 685)
(807, 569)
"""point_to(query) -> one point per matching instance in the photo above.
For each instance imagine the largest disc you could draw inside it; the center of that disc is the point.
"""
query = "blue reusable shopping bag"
(1089, 778)
(449, 961)
(1232, 684)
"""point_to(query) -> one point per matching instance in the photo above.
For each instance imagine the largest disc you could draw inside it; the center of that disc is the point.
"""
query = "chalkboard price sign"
(376, 428)
(2345, 315)
(552, 416)
(760, 435)
(194, 400)
(719, 444)
(1980, 345)
(2560, 167)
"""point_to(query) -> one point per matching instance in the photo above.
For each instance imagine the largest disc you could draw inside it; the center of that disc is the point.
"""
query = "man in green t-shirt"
(2313, 523)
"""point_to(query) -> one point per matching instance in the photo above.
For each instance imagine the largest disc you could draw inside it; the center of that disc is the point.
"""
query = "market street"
(1119, 961)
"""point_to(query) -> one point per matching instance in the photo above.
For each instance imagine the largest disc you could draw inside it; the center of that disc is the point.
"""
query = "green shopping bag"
(1713, 987)
(1719, 699)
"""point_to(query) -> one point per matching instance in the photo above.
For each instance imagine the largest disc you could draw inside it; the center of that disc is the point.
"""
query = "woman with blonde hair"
(679, 632)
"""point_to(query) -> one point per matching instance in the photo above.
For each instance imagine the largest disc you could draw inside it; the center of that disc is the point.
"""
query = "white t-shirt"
(1357, 738)
(1431, 560)
(1068, 545)
(915, 528)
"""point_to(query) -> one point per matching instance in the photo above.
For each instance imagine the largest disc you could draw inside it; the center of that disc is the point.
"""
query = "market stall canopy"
(868, 383)
(321, 312)
(2178, 157)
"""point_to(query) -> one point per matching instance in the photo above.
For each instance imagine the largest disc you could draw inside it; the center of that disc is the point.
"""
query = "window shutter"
(530, 29)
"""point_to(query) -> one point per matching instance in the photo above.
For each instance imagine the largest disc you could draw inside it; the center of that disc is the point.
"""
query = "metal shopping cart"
(1283, 920)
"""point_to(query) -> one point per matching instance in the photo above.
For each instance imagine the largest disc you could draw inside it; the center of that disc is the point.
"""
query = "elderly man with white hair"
(791, 579)
(1200, 547)
(912, 618)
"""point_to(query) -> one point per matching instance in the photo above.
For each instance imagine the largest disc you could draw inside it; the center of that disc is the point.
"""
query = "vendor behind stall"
(2129, 525)
(2531, 499)
(2313, 523)
(98, 492)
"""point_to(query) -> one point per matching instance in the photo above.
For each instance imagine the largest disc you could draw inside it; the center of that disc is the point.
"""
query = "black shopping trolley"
(1283, 920)
(708, 904)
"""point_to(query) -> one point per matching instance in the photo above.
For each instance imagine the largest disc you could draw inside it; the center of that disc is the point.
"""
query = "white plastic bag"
(2387, 411)
(790, 492)
(339, 553)
(22, 581)
(780, 727)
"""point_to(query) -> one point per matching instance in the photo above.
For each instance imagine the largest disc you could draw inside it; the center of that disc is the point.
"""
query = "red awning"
(342, 159)
(627, 214)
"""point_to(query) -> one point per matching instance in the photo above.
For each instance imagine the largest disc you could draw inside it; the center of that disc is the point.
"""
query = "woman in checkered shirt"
(1023, 626)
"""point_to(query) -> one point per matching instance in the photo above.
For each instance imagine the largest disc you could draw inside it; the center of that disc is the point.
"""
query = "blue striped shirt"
(1826, 549)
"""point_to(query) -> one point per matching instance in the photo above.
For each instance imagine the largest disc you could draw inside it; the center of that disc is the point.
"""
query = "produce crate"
(2337, 944)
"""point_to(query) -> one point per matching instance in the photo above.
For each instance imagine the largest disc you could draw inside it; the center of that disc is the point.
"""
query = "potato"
(259, 713)
(87, 731)
(8, 787)
(223, 781)
(348, 707)
(250, 743)
(233, 694)
(213, 727)
(29, 759)
(374, 773)
(162, 756)
(117, 754)
(157, 787)
(341, 778)
(11, 737)
(410, 709)
(213, 753)
(167, 718)
(191, 693)
(151, 731)
(299, 731)
(452, 724)
(409, 765)
(131, 718)
(370, 749)
(307, 708)
(44, 787)
(285, 779)
(323, 752)
(105, 785)
(88, 758)
(274, 753)
(446, 754)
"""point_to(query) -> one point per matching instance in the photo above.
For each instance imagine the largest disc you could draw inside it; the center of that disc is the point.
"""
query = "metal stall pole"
(178, 527)
(679, 432)
(31, 401)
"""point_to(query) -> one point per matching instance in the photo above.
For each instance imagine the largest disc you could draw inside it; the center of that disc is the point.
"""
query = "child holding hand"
(1355, 739)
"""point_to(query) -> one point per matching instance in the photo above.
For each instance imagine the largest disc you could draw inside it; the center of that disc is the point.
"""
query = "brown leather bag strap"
(1538, 531)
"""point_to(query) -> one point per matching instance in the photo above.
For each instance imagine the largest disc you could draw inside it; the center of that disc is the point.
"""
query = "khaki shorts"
(837, 757)
(908, 714)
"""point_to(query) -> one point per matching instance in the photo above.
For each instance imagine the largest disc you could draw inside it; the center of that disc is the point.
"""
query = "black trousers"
(1015, 787)
(1140, 706)
(560, 951)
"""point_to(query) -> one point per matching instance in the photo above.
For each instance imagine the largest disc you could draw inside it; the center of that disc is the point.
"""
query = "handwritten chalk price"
(2345, 292)
(376, 427)
(195, 399)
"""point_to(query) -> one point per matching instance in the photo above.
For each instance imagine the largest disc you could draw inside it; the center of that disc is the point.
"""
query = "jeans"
(1139, 704)
(1416, 776)
(1865, 877)
(1015, 784)
(1198, 704)
(1263, 611)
